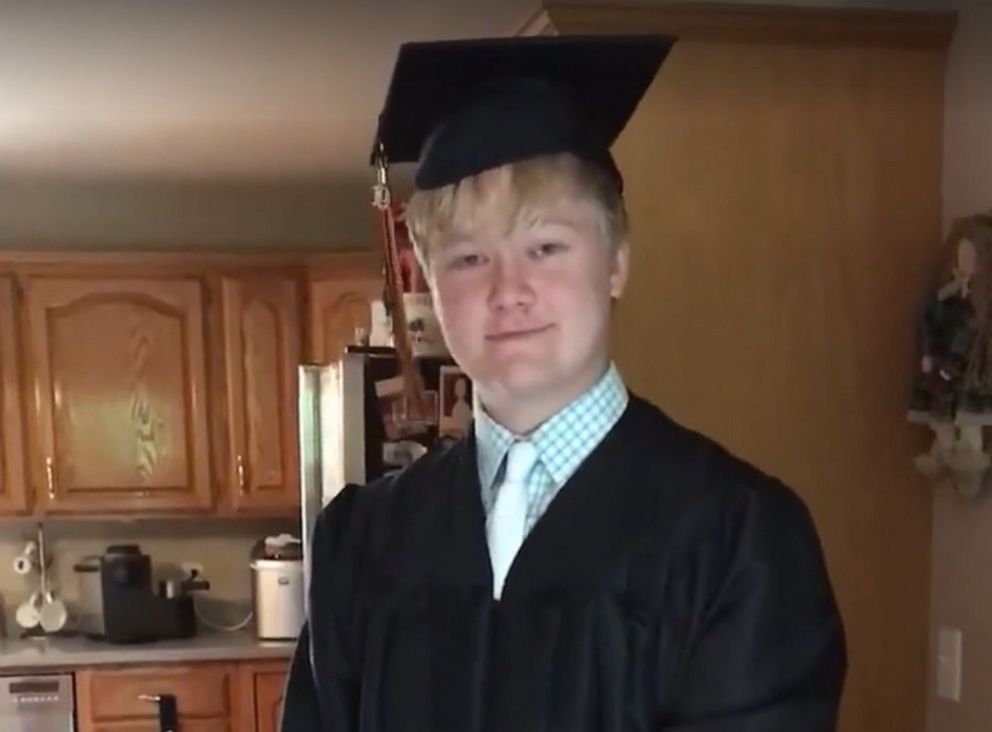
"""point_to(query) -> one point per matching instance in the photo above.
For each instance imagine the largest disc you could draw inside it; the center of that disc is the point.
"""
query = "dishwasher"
(39, 703)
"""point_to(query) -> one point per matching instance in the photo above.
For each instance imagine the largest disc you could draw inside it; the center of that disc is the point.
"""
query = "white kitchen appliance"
(277, 566)
(343, 434)
(40, 703)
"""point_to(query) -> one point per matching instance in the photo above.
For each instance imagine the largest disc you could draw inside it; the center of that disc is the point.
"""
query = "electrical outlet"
(949, 664)
(192, 569)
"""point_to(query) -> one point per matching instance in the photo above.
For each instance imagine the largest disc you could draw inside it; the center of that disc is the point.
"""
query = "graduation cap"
(462, 107)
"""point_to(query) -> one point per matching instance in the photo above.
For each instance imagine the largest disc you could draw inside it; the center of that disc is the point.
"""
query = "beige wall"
(222, 547)
(137, 213)
(961, 586)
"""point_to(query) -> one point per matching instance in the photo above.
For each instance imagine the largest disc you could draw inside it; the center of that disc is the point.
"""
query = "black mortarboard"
(462, 107)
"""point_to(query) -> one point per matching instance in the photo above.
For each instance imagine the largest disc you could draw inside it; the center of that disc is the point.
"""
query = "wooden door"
(118, 375)
(340, 310)
(270, 688)
(262, 353)
(784, 240)
(13, 491)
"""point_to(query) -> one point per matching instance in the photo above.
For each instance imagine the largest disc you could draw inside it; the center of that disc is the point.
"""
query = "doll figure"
(953, 389)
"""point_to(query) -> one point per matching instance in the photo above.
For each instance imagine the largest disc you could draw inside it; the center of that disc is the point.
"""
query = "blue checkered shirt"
(562, 443)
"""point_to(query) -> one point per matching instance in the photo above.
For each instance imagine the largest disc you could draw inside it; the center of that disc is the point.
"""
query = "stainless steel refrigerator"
(356, 424)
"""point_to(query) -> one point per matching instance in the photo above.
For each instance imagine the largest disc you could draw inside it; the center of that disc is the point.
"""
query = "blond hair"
(520, 188)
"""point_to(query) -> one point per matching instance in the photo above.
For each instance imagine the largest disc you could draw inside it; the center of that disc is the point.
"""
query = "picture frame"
(454, 402)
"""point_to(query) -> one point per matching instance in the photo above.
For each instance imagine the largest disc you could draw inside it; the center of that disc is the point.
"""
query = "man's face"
(525, 309)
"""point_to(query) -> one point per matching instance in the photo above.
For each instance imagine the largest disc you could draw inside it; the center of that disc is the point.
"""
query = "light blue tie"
(508, 518)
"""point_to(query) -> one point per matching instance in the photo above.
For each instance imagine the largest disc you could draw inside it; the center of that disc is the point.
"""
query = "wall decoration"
(953, 389)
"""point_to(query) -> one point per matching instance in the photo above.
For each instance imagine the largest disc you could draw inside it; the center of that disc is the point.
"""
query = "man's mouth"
(512, 334)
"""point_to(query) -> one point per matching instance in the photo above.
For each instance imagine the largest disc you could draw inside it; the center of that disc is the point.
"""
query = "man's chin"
(524, 384)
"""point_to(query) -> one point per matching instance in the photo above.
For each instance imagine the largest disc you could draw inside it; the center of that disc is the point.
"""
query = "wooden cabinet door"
(118, 377)
(262, 353)
(270, 688)
(339, 310)
(13, 491)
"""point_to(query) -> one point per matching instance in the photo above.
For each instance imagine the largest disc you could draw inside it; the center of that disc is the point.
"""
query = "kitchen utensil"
(28, 612)
(25, 562)
(52, 616)
(42, 561)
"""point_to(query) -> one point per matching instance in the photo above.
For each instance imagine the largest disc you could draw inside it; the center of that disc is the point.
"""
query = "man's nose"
(510, 287)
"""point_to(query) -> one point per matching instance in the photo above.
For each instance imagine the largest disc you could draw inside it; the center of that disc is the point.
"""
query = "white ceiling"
(209, 88)
(197, 111)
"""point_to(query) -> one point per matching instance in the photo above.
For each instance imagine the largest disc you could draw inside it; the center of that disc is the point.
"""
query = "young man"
(578, 563)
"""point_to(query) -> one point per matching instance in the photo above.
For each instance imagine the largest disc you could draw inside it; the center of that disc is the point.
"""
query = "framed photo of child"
(455, 408)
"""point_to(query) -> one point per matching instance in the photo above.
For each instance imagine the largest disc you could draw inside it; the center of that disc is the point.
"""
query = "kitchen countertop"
(67, 652)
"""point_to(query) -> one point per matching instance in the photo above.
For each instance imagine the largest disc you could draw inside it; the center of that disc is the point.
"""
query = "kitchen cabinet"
(340, 312)
(165, 384)
(120, 698)
(13, 491)
(268, 684)
(241, 696)
(262, 329)
(118, 380)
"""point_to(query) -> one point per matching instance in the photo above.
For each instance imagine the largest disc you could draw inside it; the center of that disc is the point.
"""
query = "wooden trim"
(267, 666)
(752, 24)
(243, 714)
(84, 699)
(247, 709)
(13, 492)
(539, 23)
(189, 263)
(343, 265)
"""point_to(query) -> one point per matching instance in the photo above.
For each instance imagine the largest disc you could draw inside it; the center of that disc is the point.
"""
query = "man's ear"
(620, 268)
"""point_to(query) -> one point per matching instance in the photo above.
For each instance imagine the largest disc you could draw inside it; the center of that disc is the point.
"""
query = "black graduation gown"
(669, 586)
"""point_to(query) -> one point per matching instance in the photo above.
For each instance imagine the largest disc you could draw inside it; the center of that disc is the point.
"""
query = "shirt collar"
(493, 440)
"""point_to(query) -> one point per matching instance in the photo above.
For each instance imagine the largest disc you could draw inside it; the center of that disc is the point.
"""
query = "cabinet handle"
(242, 486)
(168, 714)
(50, 477)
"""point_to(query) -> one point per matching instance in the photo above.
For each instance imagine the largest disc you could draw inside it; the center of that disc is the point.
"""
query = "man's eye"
(547, 248)
(466, 261)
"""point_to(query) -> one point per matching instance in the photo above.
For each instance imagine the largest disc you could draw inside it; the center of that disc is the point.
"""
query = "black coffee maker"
(132, 611)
